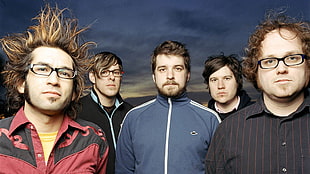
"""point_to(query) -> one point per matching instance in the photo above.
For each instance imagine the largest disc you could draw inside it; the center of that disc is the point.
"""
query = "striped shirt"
(253, 140)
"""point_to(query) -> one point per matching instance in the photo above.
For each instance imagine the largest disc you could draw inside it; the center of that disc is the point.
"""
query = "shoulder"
(85, 98)
(6, 122)
(138, 111)
(203, 110)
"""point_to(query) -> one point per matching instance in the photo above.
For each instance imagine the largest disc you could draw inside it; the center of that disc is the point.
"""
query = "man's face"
(48, 94)
(223, 85)
(282, 81)
(170, 75)
(106, 86)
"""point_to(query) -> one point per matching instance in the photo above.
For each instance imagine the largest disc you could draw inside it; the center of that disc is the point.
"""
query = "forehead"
(281, 43)
(169, 60)
(224, 71)
(55, 57)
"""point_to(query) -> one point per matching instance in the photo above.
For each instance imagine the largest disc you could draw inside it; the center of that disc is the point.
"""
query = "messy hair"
(51, 30)
(214, 63)
(171, 48)
(103, 61)
(273, 21)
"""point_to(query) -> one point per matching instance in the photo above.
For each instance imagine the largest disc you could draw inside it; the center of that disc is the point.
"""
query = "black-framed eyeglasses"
(116, 73)
(290, 60)
(46, 70)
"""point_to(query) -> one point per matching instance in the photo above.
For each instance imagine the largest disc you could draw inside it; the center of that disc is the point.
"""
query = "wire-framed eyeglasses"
(116, 73)
(290, 60)
(46, 70)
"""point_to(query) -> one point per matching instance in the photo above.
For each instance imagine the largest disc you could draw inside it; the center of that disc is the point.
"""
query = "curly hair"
(171, 48)
(273, 21)
(52, 29)
(214, 63)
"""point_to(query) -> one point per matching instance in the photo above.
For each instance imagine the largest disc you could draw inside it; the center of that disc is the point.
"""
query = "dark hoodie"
(245, 100)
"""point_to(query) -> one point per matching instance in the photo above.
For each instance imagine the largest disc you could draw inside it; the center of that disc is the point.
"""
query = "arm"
(214, 163)
(125, 159)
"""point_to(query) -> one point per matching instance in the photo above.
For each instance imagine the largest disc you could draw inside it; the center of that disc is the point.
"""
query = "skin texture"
(170, 75)
(283, 85)
(106, 87)
(223, 88)
(47, 96)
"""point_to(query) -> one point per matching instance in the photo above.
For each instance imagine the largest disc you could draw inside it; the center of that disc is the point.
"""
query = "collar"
(20, 120)
(180, 100)
(95, 97)
(260, 107)
(234, 108)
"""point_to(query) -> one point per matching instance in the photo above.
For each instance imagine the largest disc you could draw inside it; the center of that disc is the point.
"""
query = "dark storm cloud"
(132, 29)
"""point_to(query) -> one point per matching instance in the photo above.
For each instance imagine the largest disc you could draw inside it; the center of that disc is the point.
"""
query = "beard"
(47, 111)
(172, 91)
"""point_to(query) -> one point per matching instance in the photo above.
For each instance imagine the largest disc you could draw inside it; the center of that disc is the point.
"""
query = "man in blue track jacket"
(171, 133)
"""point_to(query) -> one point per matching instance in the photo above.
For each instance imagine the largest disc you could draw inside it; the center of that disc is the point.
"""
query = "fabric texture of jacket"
(80, 147)
(93, 111)
(245, 100)
(165, 135)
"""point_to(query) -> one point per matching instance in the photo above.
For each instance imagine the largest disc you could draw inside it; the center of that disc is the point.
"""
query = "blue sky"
(133, 28)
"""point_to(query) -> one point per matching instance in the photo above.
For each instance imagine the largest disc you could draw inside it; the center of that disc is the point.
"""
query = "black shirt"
(253, 140)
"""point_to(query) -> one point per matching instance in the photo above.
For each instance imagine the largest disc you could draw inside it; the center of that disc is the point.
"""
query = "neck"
(105, 100)
(283, 107)
(43, 122)
(228, 106)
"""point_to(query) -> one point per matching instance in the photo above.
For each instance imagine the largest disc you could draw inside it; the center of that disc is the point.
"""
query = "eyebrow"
(44, 63)
(286, 54)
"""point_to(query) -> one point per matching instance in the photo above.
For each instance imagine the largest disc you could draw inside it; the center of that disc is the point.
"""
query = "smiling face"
(170, 75)
(282, 81)
(48, 94)
(223, 85)
(109, 86)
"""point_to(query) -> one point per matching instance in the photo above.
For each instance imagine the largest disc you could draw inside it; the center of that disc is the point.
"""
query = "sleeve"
(103, 161)
(125, 159)
(214, 163)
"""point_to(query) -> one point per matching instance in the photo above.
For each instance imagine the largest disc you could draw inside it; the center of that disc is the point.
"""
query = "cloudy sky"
(133, 28)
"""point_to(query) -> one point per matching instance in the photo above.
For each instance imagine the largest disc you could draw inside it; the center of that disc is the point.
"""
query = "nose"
(170, 74)
(220, 84)
(281, 68)
(53, 78)
(111, 76)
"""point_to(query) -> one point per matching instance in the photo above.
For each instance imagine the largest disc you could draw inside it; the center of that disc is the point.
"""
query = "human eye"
(161, 69)
(269, 62)
(213, 80)
(293, 58)
(104, 73)
(41, 68)
(117, 72)
(228, 78)
(179, 68)
(65, 73)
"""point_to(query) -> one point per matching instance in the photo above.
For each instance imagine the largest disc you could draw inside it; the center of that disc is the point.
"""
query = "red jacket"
(80, 147)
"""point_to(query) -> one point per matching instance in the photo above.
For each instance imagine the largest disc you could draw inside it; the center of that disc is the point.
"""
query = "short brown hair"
(103, 61)
(171, 48)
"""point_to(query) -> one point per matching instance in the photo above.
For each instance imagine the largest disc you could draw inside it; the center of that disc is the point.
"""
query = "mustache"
(170, 82)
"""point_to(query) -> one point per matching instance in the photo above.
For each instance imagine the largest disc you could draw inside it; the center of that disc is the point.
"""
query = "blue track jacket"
(165, 136)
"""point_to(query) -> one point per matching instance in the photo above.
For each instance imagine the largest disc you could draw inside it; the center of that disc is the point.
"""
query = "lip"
(221, 93)
(52, 93)
(282, 80)
(111, 85)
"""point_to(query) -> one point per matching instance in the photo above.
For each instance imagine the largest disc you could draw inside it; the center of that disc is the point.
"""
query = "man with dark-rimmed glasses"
(272, 135)
(44, 77)
(104, 105)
